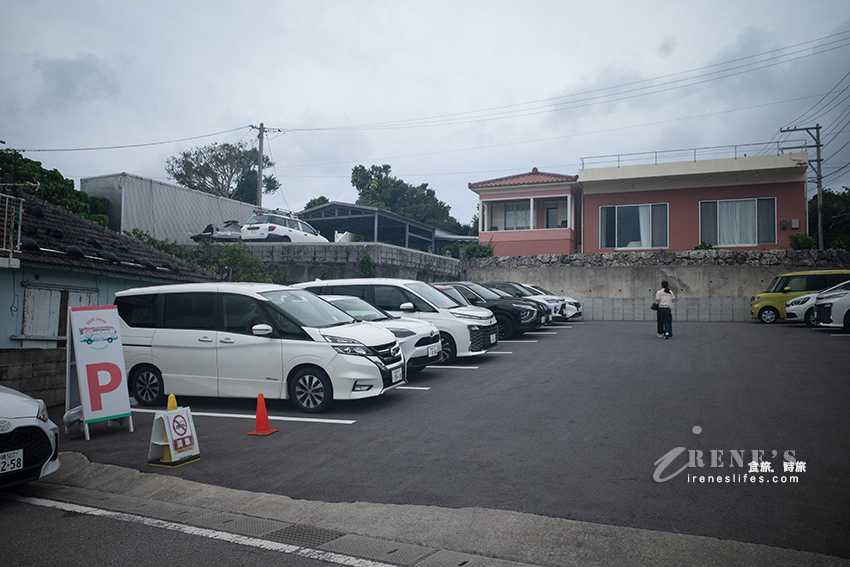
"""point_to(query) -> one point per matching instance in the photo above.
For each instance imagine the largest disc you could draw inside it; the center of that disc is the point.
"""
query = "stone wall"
(305, 262)
(38, 372)
(710, 285)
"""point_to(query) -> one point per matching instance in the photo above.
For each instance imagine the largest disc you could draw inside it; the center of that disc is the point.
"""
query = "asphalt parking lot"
(568, 423)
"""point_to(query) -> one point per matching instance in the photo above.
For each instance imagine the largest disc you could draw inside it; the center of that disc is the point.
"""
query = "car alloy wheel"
(148, 387)
(768, 315)
(311, 390)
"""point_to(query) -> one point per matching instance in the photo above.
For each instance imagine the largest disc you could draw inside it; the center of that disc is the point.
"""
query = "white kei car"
(419, 340)
(29, 441)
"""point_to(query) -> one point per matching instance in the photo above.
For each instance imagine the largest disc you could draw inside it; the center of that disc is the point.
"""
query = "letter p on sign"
(98, 388)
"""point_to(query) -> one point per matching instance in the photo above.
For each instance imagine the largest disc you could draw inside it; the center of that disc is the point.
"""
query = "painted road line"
(458, 367)
(422, 388)
(311, 553)
(541, 333)
(499, 352)
(271, 417)
(517, 341)
(839, 335)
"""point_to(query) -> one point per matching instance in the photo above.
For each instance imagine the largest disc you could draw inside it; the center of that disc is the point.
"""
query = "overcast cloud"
(447, 93)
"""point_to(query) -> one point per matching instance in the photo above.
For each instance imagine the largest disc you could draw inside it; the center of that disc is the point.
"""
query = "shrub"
(800, 241)
(366, 267)
(704, 246)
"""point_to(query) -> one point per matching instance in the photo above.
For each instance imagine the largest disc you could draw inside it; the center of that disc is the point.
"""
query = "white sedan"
(802, 309)
(419, 340)
(29, 441)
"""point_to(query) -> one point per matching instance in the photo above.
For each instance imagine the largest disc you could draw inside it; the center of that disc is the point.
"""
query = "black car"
(513, 316)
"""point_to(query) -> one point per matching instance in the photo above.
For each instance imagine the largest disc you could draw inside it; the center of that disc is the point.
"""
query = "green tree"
(376, 187)
(836, 218)
(51, 186)
(366, 267)
(226, 170)
(316, 202)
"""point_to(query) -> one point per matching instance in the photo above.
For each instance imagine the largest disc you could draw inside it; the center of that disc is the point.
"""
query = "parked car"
(29, 441)
(240, 340)
(464, 331)
(513, 316)
(572, 308)
(538, 303)
(832, 307)
(557, 303)
(802, 309)
(230, 232)
(769, 306)
(419, 340)
(279, 227)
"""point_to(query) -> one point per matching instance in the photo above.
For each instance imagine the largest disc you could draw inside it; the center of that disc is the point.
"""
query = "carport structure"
(380, 225)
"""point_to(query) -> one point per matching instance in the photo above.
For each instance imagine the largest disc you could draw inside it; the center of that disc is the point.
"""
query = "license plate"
(493, 338)
(11, 461)
(397, 374)
(433, 350)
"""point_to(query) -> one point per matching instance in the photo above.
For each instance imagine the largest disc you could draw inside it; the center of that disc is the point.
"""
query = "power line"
(133, 145)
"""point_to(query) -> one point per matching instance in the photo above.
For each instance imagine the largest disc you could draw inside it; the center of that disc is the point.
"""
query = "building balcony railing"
(11, 216)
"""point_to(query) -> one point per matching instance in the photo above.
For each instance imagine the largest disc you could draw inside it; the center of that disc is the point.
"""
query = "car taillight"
(271, 228)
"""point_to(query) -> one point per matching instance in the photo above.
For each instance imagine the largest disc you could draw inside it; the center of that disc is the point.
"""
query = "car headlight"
(799, 301)
(469, 316)
(42, 411)
(345, 345)
(755, 298)
(402, 333)
(834, 296)
(554, 301)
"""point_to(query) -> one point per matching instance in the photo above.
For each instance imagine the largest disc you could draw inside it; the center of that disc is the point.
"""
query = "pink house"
(743, 203)
(530, 213)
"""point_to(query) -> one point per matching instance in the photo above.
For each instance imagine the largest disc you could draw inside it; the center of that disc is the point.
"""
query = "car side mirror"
(407, 306)
(786, 290)
(261, 330)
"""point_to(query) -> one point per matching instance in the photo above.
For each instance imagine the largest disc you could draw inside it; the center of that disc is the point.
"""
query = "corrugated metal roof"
(534, 177)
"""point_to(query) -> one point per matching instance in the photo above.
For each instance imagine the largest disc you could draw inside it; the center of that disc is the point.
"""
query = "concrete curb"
(491, 537)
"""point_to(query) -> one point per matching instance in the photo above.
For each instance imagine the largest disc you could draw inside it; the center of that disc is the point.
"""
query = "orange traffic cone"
(261, 425)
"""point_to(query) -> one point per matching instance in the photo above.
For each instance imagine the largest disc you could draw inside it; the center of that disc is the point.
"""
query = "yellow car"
(769, 306)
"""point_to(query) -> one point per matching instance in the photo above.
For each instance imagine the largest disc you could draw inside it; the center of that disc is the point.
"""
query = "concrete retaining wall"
(710, 285)
(305, 262)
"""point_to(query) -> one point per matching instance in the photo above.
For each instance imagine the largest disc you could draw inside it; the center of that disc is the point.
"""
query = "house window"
(517, 216)
(552, 216)
(741, 222)
(633, 226)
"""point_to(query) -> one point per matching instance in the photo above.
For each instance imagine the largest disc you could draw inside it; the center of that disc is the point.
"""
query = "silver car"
(419, 340)
(29, 441)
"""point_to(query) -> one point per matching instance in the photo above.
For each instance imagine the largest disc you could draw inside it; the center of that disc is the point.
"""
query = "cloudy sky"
(446, 92)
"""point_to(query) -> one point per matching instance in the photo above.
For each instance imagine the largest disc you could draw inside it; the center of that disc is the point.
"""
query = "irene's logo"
(752, 464)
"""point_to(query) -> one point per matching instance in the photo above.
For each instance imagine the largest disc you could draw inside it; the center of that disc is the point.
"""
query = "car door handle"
(205, 340)
(227, 341)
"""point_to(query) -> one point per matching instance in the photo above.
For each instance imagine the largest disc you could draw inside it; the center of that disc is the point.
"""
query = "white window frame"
(616, 220)
(755, 201)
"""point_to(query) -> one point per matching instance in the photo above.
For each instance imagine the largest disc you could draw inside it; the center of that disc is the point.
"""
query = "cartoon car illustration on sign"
(90, 335)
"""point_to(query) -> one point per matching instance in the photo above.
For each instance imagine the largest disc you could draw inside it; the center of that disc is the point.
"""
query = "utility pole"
(818, 161)
(260, 167)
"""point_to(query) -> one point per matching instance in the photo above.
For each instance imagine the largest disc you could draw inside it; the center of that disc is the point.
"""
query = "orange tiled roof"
(534, 177)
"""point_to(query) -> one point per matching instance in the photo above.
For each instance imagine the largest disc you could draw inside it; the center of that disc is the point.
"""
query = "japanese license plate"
(398, 374)
(493, 338)
(11, 461)
(433, 350)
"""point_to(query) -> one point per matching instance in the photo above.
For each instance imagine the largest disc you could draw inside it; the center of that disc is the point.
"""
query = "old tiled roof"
(52, 236)
(532, 178)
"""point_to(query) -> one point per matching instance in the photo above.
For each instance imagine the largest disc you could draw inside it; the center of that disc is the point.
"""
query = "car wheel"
(449, 350)
(810, 319)
(310, 390)
(147, 386)
(506, 327)
(768, 315)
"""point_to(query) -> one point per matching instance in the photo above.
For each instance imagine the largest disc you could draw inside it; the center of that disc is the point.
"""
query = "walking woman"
(665, 299)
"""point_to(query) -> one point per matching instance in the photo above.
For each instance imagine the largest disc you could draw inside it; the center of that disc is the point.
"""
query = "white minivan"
(244, 339)
(464, 330)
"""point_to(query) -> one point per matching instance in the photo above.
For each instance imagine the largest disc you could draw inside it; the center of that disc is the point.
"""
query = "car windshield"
(361, 310)
(777, 284)
(483, 291)
(454, 294)
(519, 290)
(434, 296)
(307, 309)
(542, 290)
(531, 290)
